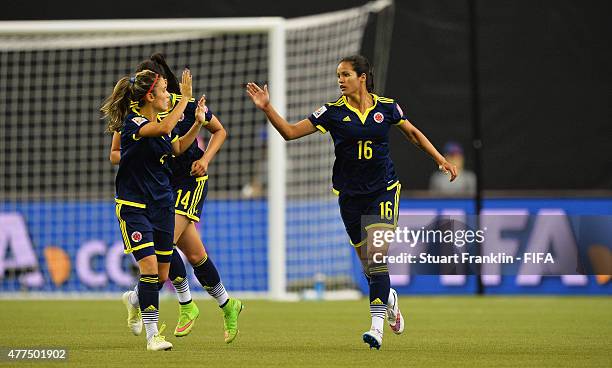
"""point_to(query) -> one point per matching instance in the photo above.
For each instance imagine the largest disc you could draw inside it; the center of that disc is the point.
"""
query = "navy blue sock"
(178, 276)
(148, 297)
(206, 272)
(380, 284)
(177, 267)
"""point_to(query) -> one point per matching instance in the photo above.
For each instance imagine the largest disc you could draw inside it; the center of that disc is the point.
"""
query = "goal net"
(58, 231)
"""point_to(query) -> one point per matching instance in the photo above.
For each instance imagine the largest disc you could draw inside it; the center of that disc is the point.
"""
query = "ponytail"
(157, 63)
(173, 83)
(116, 106)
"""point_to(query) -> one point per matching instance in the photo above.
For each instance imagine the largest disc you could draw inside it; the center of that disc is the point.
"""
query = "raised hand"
(201, 110)
(260, 97)
(185, 84)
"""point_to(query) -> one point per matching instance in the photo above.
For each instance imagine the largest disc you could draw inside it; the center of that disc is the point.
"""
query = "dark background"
(545, 69)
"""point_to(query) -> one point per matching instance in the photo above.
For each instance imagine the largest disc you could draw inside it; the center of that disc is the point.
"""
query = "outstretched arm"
(261, 99)
(420, 140)
(217, 137)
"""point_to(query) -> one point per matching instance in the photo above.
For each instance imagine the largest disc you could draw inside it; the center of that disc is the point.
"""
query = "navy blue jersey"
(143, 177)
(181, 165)
(361, 143)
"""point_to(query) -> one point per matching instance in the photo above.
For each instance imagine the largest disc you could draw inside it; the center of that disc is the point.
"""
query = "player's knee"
(195, 258)
(148, 265)
(163, 272)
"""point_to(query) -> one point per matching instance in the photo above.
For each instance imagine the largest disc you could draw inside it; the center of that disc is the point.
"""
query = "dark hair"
(116, 106)
(157, 63)
(361, 65)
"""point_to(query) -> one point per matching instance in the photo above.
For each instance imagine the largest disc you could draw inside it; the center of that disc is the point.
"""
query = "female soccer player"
(363, 173)
(144, 194)
(190, 184)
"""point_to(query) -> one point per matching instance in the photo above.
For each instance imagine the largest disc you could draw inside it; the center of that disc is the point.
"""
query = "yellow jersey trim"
(335, 191)
(358, 244)
(385, 99)
(175, 139)
(393, 185)
(195, 199)
(365, 114)
(397, 203)
(323, 130)
(123, 227)
(338, 102)
(380, 224)
(191, 217)
(202, 178)
(164, 252)
(149, 244)
(130, 203)
(401, 121)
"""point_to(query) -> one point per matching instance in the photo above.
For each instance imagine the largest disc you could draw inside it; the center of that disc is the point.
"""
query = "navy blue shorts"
(361, 212)
(190, 193)
(146, 231)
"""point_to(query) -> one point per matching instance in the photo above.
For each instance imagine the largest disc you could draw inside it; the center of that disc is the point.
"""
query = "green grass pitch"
(440, 331)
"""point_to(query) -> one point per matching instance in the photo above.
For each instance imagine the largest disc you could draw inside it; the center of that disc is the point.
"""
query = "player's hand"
(199, 168)
(447, 168)
(260, 97)
(185, 84)
(201, 110)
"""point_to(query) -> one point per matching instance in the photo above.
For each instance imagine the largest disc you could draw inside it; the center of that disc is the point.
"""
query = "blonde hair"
(116, 106)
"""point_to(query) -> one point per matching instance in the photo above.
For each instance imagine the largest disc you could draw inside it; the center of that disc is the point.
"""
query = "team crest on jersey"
(320, 111)
(139, 120)
(399, 109)
(378, 117)
(136, 236)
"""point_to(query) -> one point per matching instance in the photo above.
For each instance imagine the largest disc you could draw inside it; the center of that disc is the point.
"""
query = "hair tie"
(132, 80)
(152, 85)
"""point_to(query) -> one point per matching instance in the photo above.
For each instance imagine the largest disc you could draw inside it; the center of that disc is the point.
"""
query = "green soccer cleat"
(231, 311)
(188, 313)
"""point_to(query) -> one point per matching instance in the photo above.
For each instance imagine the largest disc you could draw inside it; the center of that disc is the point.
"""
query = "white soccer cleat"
(134, 320)
(394, 316)
(373, 338)
(158, 342)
